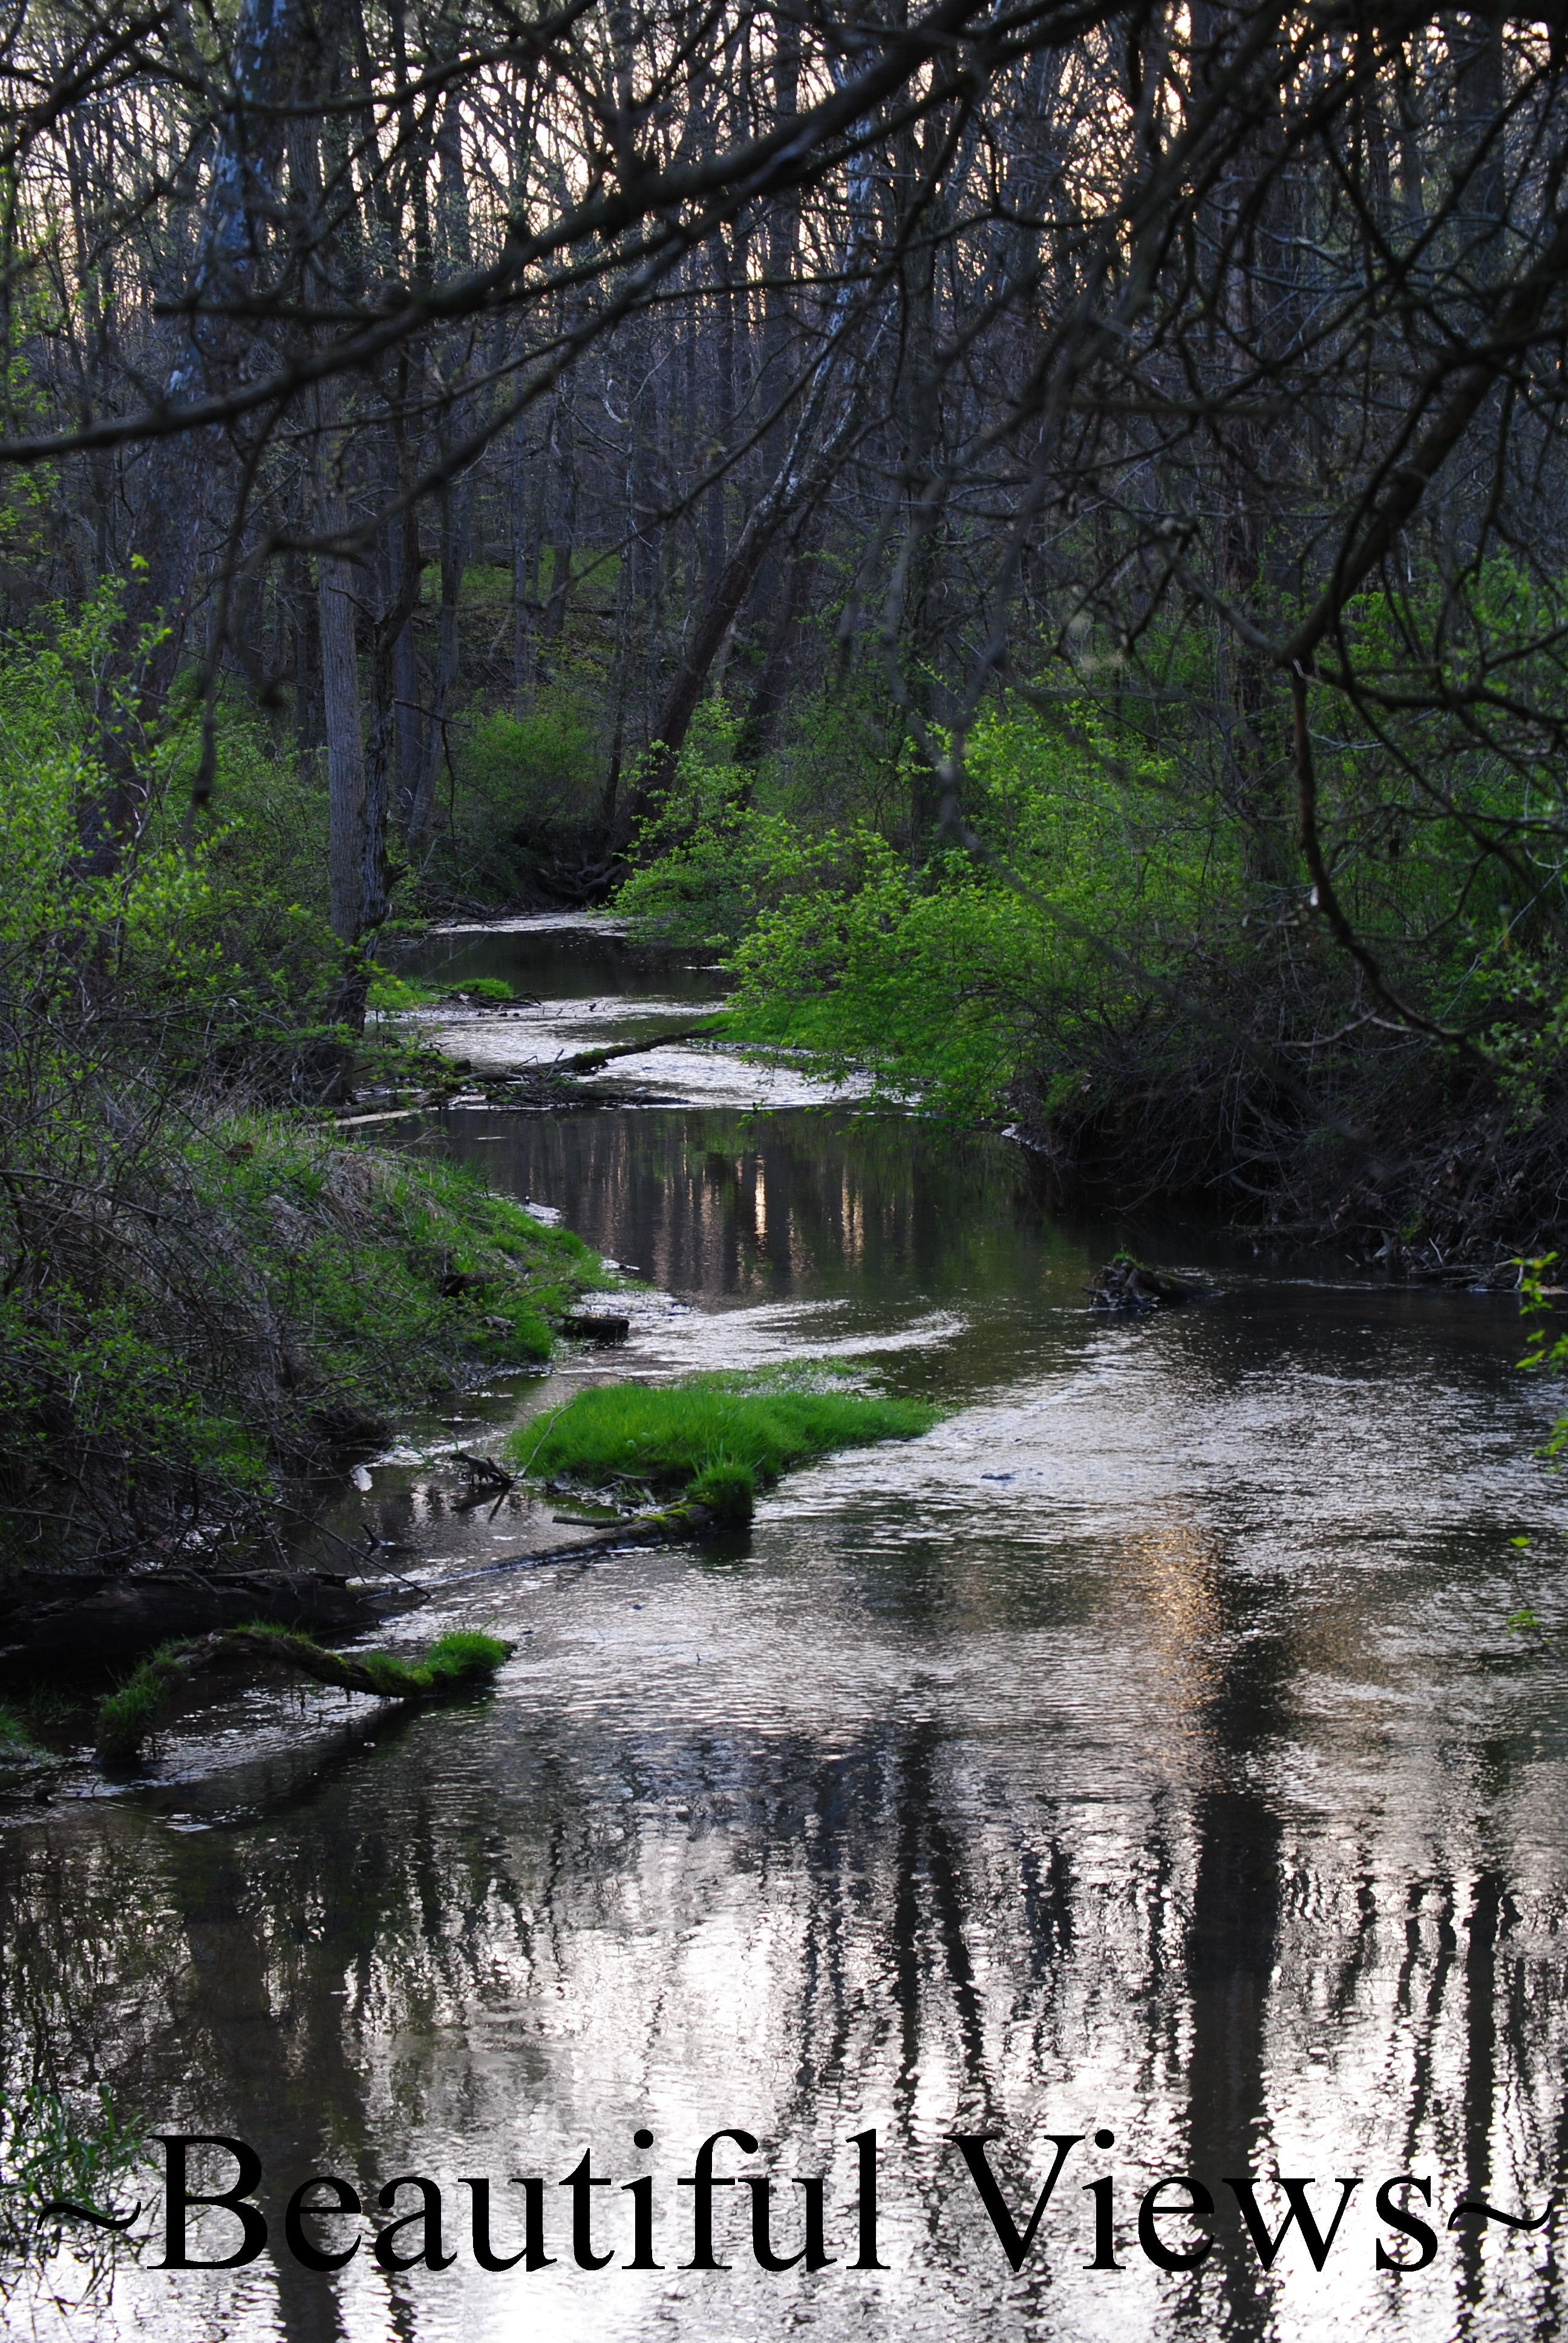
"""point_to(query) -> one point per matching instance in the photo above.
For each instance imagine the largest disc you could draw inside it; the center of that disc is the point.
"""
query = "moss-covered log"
(151, 1696)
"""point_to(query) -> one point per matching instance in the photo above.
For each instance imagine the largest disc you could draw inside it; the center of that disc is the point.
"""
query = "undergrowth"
(206, 1325)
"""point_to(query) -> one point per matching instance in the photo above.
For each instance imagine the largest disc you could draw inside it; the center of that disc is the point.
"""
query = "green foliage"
(843, 762)
(939, 975)
(933, 982)
(713, 1438)
(711, 881)
(540, 763)
(520, 785)
(212, 949)
(166, 1342)
(1545, 1352)
(711, 860)
(391, 996)
(1133, 964)
(53, 2149)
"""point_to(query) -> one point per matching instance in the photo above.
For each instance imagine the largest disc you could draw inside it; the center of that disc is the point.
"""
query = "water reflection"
(866, 1208)
(562, 956)
(1144, 1750)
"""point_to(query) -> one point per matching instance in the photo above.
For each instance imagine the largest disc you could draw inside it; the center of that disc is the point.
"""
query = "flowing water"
(1144, 1751)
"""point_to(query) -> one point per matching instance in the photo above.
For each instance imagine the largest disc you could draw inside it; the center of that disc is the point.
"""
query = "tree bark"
(337, 601)
(456, 520)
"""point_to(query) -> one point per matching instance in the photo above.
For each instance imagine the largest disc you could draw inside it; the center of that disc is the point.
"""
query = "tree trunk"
(337, 604)
(457, 519)
(685, 692)
(523, 503)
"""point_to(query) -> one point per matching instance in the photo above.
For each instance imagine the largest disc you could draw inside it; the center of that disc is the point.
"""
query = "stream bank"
(1143, 1748)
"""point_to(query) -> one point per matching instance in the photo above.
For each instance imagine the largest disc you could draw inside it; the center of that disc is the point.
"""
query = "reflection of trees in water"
(720, 1203)
(908, 1924)
(561, 965)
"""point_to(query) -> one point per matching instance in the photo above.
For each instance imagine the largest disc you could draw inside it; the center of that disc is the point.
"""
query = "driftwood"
(672, 1524)
(588, 1062)
(488, 1481)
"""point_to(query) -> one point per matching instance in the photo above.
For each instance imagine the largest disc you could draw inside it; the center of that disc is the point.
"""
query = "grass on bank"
(717, 1439)
(391, 994)
(391, 1270)
(203, 1327)
(20, 1755)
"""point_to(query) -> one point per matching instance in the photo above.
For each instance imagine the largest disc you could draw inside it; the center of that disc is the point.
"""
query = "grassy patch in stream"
(715, 1440)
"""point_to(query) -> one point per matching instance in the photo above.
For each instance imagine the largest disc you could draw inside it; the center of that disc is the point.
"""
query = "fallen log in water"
(589, 1061)
(175, 1673)
(78, 1626)
(673, 1524)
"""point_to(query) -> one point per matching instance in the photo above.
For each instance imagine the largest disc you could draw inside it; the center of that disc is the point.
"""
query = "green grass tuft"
(729, 1491)
(717, 1439)
(460, 1658)
(83, 2150)
(128, 1717)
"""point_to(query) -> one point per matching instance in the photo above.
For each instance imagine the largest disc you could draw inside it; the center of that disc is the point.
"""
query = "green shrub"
(523, 786)
(932, 972)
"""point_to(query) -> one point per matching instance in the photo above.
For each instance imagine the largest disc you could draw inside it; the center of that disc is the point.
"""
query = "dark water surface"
(1143, 1750)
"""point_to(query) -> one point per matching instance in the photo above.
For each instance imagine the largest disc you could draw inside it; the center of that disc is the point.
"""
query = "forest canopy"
(1037, 532)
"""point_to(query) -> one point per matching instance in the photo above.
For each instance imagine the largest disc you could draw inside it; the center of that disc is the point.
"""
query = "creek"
(1144, 1749)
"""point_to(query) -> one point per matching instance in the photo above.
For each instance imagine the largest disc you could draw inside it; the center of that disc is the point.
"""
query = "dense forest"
(1034, 533)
